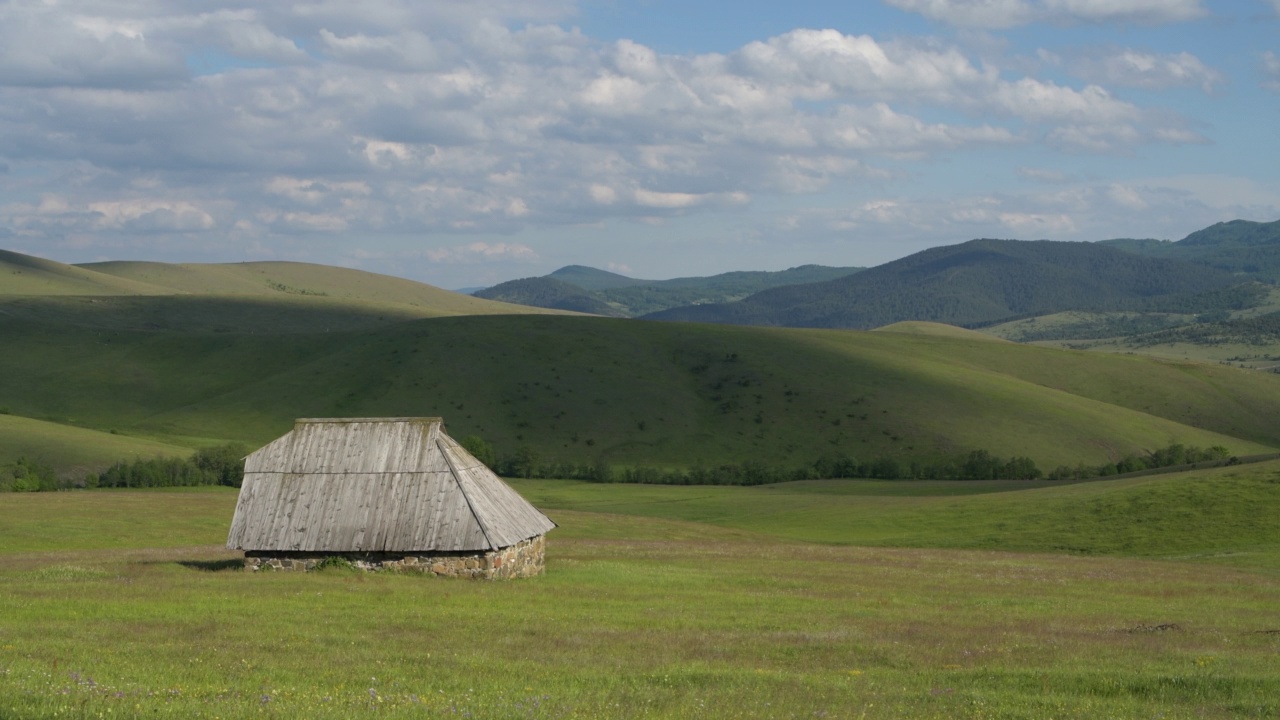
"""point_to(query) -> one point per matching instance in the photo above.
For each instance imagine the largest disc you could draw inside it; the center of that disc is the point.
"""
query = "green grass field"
(1223, 516)
(671, 602)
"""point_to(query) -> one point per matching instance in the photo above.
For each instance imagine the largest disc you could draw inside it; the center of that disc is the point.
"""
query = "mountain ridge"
(975, 282)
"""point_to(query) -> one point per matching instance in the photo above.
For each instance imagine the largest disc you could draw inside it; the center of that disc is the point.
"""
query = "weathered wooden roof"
(376, 485)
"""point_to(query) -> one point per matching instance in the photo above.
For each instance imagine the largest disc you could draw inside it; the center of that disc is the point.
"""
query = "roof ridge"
(353, 420)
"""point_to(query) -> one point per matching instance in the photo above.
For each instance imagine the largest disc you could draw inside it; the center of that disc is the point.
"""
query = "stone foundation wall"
(524, 559)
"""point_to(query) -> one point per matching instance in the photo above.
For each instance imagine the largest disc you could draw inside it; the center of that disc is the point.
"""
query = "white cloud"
(1138, 11)
(1047, 101)
(1271, 70)
(314, 192)
(58, 215)
(247, 39)
(603, 194)
(408, 120)
(1167, 207)
(1126, 196)
(1037, 225)
(150, 215)
(1043, 175)
(481, 252)
(997, 14)
(1135, 68)
(44, 45)
(993, 14)
(667, 200)
(303, 222)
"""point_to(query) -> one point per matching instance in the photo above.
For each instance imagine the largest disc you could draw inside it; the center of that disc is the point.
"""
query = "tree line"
(221, 465)
(974, 465)
(224, 465)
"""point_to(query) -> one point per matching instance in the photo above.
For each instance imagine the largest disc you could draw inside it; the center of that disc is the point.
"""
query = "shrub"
(480, 449)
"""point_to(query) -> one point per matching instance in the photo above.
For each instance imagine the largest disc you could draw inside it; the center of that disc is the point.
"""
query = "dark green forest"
(1239, 246)
(975, 283)
(584, 289)
(549, 293)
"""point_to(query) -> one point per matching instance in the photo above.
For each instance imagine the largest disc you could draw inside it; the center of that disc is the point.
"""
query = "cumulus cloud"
(240, 122)
(997, 14)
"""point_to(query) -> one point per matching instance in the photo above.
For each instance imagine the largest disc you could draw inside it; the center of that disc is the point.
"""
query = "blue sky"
(463, 143)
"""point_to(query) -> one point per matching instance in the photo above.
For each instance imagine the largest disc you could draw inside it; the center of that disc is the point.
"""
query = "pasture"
(672, 602)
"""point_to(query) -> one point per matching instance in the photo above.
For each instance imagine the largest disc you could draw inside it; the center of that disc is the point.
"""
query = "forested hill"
(977, 282)
(589, 278)
(1239, 246)
(587, 289)
(548, 292)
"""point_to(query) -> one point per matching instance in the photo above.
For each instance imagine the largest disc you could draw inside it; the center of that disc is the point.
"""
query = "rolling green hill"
(599, 292)
(264, 297)
(981, 281)
(72, 450)
(212, 313)
(579, 389)
(362, 290)
(287, 340)
(27, 275)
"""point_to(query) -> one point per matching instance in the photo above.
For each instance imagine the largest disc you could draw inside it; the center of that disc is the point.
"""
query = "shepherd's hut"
(383, 493)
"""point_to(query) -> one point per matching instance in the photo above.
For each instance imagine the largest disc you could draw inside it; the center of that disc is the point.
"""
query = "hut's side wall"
(524, 559)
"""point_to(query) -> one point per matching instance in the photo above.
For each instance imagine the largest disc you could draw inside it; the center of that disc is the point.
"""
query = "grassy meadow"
(672, 602)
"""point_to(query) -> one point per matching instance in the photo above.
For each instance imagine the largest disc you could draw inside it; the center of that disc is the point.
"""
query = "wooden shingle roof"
(376, 485)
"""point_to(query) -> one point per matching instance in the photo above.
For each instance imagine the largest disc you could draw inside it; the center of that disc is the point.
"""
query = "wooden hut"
(383, 493)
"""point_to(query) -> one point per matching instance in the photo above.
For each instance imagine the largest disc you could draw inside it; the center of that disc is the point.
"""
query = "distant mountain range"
(584, 289)
(1225, 267)
(977, 282)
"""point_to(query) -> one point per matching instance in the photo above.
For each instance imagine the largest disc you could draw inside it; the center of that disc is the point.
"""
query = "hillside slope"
(306, 281)
(1238, 246)
(586, 289)
(976, 282)
(28, 275)
(74, 451)
(579, 389)
(547, 292)
(589, 278)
